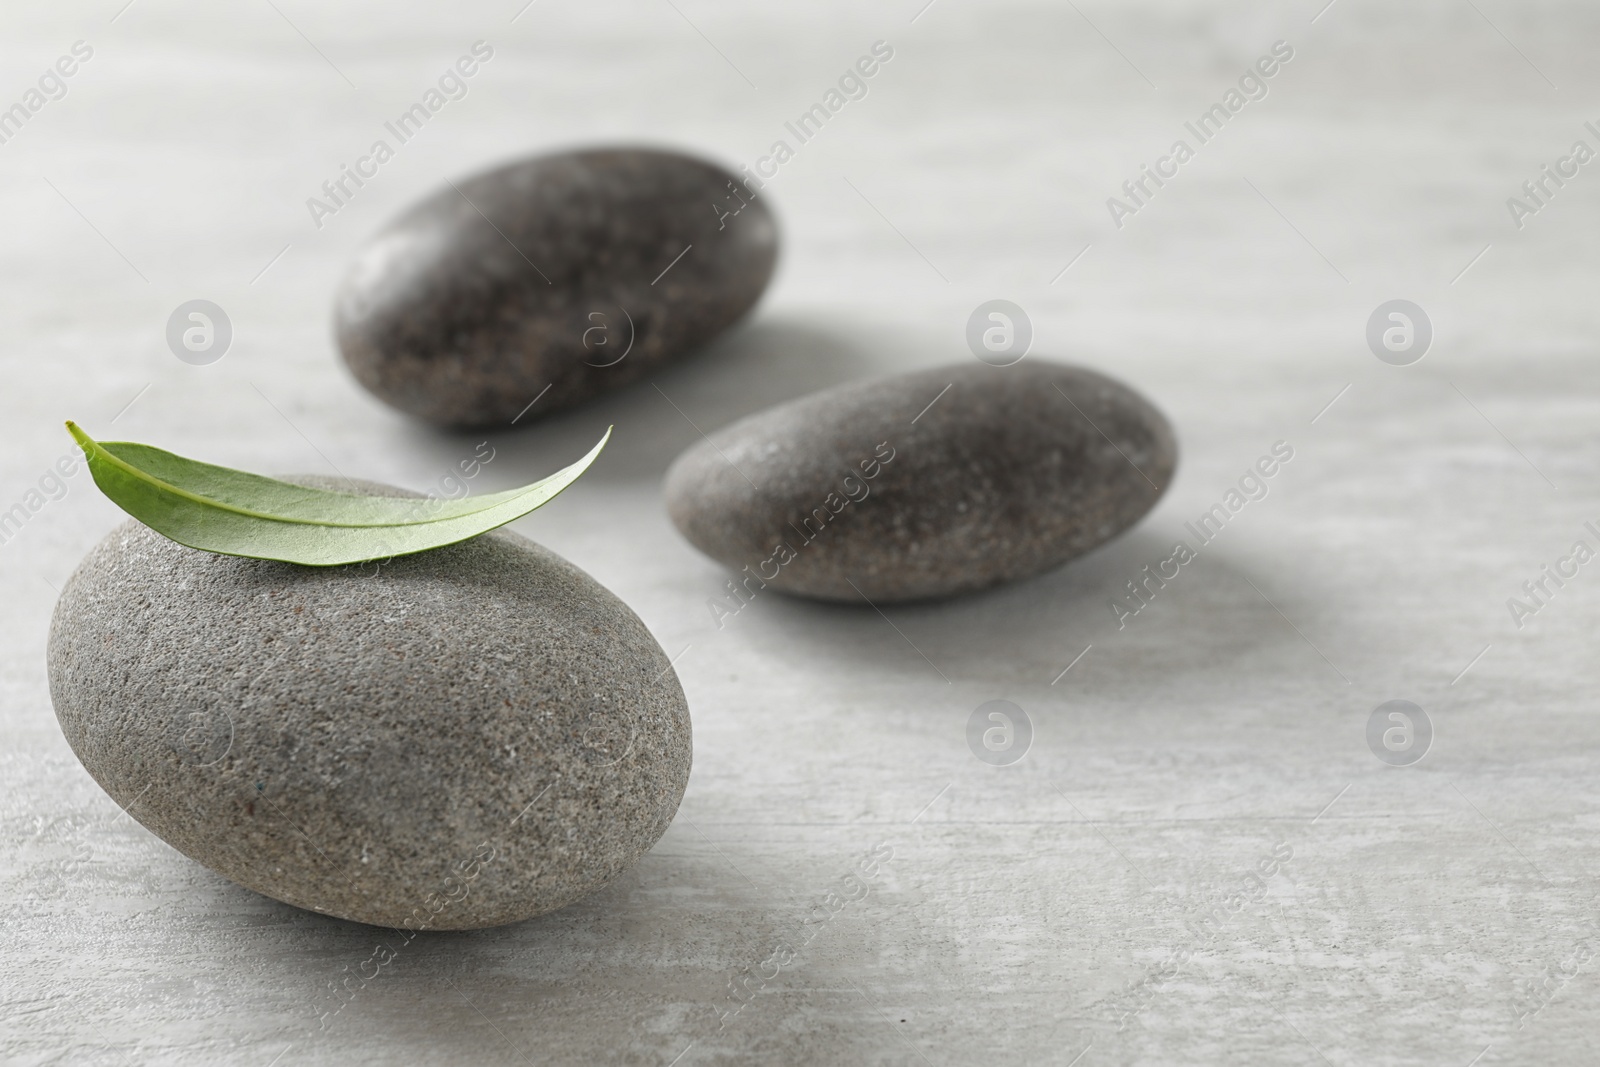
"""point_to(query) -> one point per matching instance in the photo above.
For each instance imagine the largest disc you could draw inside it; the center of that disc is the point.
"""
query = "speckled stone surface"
(554, 279)
(923, 485)
(456, 739)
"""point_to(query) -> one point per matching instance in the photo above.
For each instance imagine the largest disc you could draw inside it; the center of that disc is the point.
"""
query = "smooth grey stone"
(533, 280)
(449, 740)
(866, 491)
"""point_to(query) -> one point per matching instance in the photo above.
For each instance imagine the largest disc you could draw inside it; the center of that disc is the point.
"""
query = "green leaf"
(239, 514)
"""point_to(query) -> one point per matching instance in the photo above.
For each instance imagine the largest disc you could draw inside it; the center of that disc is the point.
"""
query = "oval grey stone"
(450, 740)
(924, 485)
(557, 277)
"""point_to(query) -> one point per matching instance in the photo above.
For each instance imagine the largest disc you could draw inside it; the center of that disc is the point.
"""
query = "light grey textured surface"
(1427, 913)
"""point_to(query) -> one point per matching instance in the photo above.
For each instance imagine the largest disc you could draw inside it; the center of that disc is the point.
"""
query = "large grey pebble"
(864, 490)
(455, 739)
(531, 281)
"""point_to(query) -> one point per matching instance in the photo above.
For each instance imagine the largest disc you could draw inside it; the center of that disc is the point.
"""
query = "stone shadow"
(753, 366)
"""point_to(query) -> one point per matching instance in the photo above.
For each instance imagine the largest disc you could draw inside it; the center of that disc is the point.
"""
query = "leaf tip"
(78, 435)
